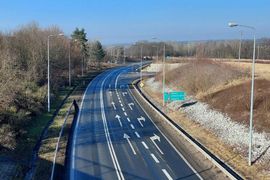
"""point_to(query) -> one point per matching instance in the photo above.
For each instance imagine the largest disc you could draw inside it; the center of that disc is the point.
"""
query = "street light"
(252, 90)
(240, 44)
(141, 63)
(163, 71)
(69, 61)
(48, 68)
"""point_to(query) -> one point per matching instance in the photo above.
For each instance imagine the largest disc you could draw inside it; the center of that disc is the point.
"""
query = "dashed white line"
(155, 158)
(123, 109)
(132, 126)
(128, 119)
(137, 134)
(121, 105)
(146, 147)
(125, 113)
(167, 174)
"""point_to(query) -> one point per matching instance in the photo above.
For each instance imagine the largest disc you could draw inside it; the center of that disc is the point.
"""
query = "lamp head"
(232, 24)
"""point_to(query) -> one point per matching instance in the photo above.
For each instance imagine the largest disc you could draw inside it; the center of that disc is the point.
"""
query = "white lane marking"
(146, 147)
(141, 119)
(107, 134)
(167, 174)
(127, 138)
(156, 137)
(130, 105)
(182, 157)
(118, 117)
(132, 126)
(155, 158)
(137, 134)
(125, 113)
(120, 102)
(113, 105)
(123, 109)
(121, 105)
(124, 93)
(128, 119)
(76, 129)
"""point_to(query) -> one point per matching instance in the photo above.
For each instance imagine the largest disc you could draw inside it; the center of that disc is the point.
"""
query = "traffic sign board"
(174, 96)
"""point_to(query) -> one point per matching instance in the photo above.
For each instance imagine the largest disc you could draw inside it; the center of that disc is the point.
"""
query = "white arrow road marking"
(124, 93)
(130, 105)
(137, 134)
(118, 117)
(125, 113)
(132, 126)
(167, 174)
(141, 119)
(146, 147)
(128, 119)
(113, 105)
(155, 158)
(127, 138)
(156, 137)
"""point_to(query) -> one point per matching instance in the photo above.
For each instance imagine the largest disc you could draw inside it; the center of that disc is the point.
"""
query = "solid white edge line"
(73, 151)
(197, 174)
(167, 174)
(155, 158)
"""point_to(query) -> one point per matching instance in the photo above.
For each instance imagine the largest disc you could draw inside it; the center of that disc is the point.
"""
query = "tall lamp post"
(252, 90)
(48, 68)
(141, 63)
(240, 44)
(163, 70)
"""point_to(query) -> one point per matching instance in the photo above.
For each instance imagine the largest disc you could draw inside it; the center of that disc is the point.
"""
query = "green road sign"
(174, 96)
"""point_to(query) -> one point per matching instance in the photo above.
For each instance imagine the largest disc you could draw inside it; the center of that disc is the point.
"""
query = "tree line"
(206, 49)
(23, 68)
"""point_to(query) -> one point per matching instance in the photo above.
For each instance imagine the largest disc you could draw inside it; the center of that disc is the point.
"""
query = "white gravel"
(229, 131)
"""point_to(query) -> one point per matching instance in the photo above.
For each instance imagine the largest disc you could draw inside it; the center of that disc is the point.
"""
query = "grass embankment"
(225, 87)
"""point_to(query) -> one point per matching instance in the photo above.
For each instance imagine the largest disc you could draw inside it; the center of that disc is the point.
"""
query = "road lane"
(115, 138)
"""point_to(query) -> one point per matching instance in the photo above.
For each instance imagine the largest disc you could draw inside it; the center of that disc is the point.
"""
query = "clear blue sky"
(126, 21)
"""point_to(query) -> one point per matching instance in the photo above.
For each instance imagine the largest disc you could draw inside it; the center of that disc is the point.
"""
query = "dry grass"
(261, 70)
(201, 76)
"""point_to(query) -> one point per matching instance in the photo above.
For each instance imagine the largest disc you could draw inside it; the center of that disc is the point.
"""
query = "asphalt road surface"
(114, 138)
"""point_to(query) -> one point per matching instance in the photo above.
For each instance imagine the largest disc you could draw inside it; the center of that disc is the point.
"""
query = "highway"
(114, 138)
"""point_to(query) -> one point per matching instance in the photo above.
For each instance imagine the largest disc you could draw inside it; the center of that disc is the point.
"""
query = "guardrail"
(225, 168)
(60, 135)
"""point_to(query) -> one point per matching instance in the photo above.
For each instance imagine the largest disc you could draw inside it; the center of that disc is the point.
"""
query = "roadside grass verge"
(47, 149)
